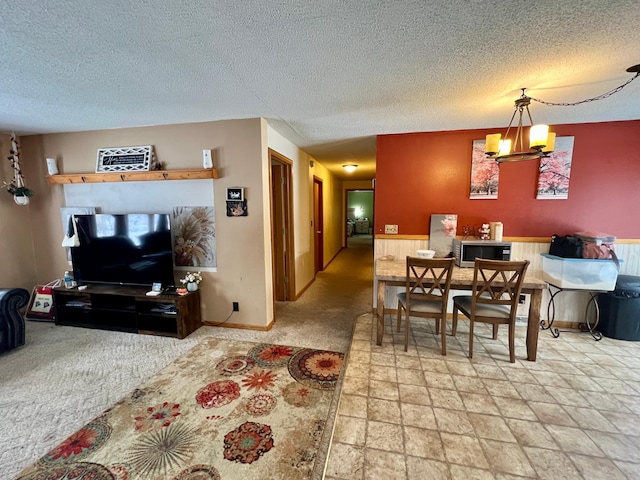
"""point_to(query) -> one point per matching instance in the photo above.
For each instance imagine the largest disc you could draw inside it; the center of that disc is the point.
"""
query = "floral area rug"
(225, 410)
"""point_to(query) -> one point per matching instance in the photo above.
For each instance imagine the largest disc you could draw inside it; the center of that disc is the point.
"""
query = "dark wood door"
(318, 227)
(282, 228)
(279, 243)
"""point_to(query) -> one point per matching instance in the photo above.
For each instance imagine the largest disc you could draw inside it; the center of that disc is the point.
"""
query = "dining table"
(393, 273)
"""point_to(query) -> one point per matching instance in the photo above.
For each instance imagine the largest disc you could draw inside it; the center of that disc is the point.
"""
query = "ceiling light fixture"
(541, 141)
(350, 168)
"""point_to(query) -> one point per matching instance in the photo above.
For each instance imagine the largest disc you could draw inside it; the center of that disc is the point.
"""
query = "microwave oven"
(466, 251)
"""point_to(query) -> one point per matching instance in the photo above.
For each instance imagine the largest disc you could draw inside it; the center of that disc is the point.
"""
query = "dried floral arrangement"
(195, 277)
(16, 187)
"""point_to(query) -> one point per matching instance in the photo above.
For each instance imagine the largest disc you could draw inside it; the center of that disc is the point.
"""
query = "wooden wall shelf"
(154, 175)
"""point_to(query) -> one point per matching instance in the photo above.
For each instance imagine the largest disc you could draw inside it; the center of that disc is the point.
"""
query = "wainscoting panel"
(570, 305)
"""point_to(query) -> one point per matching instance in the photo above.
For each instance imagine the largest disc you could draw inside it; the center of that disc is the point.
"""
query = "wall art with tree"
(554, 171)
(484, 174)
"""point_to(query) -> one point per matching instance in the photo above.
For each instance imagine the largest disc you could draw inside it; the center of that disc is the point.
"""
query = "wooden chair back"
(428, 279)
(498, 282)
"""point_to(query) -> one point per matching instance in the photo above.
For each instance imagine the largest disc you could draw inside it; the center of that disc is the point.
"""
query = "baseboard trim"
(304, 289)
(333, 258)
(240, 325)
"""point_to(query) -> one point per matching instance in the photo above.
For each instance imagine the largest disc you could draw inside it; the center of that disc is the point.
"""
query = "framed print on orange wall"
(485, 174)
(555, 170)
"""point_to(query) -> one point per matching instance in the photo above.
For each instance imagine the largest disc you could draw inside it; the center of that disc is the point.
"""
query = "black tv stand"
(128, 309)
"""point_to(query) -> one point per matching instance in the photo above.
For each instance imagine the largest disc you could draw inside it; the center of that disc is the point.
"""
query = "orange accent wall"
(419, 174)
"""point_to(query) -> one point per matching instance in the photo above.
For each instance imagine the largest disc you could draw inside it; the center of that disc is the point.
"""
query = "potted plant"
(17, 188)
(192, 280)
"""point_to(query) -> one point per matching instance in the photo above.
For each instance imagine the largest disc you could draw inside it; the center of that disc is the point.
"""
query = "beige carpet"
(64, 377)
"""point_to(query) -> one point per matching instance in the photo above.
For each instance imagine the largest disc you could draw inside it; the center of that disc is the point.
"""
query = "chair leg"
(470, 338)
(454, 321)
(495, 331)
(406, 332)
(399, 310)
(512, 343)
(437, 327)
(443, 330)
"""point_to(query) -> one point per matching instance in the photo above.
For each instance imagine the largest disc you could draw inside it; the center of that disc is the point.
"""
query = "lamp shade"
(505, 147)
(551, 142)
(492, 143)
(538, 136)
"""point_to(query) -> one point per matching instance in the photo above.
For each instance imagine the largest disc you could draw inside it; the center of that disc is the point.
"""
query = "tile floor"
(572, 414)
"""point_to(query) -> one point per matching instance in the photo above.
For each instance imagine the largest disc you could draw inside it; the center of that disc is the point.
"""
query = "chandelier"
(541, 140)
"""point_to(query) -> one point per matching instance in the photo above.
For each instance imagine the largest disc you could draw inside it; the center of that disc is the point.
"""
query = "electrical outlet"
(391, 229)
(236, 307)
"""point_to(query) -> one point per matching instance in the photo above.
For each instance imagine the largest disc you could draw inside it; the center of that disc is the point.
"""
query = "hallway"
(324, 315)
(360, 240)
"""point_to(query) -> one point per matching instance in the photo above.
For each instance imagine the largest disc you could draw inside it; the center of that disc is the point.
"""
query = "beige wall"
(357, 185)
(239, 153)
(32, 254)
(17, 264)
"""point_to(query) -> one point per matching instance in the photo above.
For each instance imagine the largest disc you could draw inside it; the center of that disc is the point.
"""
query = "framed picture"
(194, 237)
(442, 232)
(235, 194)
(485, 174)
(124, 159)
(554, 171)
(237, 209)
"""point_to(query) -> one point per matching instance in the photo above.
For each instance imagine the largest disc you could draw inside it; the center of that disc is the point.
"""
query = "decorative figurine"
(484, 232)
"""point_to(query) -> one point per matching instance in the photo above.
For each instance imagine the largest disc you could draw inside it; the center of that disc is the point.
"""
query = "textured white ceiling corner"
(327, 75)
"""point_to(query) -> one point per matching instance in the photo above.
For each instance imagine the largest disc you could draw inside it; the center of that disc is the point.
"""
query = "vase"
(192, 286)
(21, 199)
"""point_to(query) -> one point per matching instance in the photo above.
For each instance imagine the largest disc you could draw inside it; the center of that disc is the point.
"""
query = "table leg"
(587, 326)
(380, 311)
(533, 324)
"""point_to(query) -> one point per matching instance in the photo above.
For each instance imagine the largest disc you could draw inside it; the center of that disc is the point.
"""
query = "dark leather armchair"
(11, 321)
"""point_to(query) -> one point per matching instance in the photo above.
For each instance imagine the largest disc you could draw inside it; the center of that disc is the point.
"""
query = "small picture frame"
(235, 194)
(157, 287)
(237, 209)
(125, 159)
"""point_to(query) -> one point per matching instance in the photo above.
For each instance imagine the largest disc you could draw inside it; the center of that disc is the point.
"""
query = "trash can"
(620, 309)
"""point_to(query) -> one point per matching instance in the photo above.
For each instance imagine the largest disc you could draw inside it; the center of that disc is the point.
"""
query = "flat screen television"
(124, 249)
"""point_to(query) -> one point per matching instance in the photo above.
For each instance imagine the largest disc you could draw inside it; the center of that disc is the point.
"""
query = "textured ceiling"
(329, 75)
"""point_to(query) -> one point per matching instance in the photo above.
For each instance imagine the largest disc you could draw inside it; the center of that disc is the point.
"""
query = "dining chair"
(494, 298)
(426, 294)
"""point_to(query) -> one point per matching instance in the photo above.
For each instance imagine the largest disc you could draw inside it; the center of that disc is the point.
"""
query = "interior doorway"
(281, 228)
(318, 225)
(359, 208)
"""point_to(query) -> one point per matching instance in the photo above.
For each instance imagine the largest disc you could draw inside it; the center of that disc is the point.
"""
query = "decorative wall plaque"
(235, 194)
(125, 159)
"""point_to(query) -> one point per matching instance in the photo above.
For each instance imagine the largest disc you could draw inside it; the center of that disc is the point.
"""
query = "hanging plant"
(17, 188)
